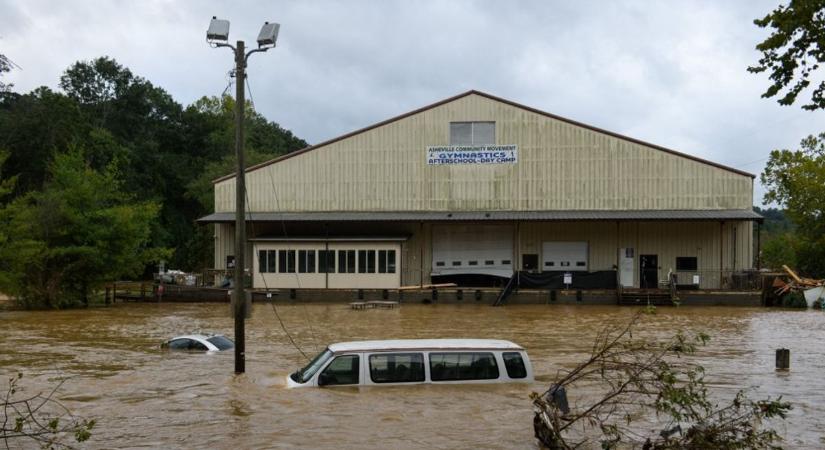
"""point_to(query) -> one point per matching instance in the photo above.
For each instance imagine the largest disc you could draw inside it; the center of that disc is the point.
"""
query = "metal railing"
(725, 279)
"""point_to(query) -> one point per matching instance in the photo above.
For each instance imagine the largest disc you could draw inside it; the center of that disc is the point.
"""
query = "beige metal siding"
(561, 166)
(710, 242)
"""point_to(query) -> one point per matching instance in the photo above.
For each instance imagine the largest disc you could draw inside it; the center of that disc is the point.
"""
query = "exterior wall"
(326, 280)
(720, 248)
(561, 166)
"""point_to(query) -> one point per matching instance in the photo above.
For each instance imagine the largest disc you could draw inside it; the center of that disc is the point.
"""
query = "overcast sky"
(671, 73)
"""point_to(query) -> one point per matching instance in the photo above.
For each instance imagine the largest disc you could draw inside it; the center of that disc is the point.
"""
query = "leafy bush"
(794, 300)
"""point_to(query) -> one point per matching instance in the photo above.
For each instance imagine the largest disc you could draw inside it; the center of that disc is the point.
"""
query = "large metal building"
(475, 188)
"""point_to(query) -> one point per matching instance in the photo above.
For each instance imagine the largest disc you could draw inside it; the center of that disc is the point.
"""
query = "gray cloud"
(672, 73)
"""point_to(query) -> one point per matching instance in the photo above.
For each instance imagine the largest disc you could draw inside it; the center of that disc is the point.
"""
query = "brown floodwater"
(143, 397)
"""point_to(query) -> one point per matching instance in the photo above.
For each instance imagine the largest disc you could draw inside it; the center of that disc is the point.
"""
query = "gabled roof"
(498, 99)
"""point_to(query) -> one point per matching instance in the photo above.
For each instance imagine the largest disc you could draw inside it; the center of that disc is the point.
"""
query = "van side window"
(514, 365)
(463, 366)
(397, 368)
(342, 370)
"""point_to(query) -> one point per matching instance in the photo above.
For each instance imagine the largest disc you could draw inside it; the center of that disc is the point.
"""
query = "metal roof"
(473, 216)
(424, 344)
(498, 99)
(330, 238)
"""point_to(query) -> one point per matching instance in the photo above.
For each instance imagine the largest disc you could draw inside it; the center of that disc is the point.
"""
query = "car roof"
(201, 337)
(424, 344)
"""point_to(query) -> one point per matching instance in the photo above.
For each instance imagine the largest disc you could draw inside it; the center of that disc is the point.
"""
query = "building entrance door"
(648, 271)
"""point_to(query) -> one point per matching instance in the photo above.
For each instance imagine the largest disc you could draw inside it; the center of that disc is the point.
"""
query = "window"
(505, 262)
(342, 370)
(472, 133)
(437, 264)
(530, 261)
(472, 263)
(305, 374)
(463, 366)
(346, 261)
(386, 261)
(456, 263)
(179, 344)
(306, 261)
(326, 261)
(286, 261)
(186, 344)
(514, 365)
(366, 261)
(221, 342)
(266, 261)
(397, 368)
(489, 262)
(686, 263)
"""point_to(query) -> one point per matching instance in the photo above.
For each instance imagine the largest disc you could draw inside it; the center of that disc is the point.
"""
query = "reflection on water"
(144, 397)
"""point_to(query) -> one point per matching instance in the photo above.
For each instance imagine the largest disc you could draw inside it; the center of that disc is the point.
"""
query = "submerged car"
(200, 342)
(416, 361)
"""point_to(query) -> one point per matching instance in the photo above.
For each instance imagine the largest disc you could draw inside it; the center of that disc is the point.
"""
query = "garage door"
(473, 249)
(564, 255)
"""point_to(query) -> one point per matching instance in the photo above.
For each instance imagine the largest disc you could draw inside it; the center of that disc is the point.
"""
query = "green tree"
(796, 180)
(794, 51)
(78, 232)
(5, 66)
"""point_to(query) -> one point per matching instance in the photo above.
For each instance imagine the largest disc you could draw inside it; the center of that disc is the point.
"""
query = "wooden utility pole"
(239, 296)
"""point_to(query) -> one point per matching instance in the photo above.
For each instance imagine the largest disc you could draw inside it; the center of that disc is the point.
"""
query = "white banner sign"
(472, 154)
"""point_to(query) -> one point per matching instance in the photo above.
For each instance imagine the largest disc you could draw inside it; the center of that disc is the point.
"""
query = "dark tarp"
(604, 279)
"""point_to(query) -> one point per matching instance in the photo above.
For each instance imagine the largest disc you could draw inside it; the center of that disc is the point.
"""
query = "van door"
(342, 370)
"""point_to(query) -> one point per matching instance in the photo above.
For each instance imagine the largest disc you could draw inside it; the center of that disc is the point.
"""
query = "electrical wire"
(266, 287)
(283, 228)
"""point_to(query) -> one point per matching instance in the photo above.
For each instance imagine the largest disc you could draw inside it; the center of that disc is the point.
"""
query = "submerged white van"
(416, 361)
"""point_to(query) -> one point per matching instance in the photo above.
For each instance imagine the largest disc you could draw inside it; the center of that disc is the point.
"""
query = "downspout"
(421, 253)
(326, 258)
(758, 246)
(721, 251)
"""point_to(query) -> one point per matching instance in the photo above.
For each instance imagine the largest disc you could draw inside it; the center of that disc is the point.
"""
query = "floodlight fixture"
(268, 34)
(218, 30)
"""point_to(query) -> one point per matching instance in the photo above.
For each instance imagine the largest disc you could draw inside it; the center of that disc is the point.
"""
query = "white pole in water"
(217, 35)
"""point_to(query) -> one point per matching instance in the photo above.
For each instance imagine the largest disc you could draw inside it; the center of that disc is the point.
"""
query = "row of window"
(324, 261)
(409, 367)
(487, 262)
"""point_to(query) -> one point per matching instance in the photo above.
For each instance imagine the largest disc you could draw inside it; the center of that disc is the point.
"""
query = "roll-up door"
(564, 256)
(473, 249)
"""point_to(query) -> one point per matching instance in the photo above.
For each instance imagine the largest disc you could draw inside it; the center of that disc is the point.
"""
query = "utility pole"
(240, 212)
(217, 35)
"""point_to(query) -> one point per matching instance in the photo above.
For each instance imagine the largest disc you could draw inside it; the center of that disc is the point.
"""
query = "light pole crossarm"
(246, 58)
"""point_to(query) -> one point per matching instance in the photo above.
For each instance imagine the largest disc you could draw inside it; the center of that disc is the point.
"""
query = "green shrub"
(794, 300)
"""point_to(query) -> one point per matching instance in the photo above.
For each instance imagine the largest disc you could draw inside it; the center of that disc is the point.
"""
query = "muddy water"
(146, 398)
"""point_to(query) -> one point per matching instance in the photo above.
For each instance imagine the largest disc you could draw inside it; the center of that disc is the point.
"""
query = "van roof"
(424, 344)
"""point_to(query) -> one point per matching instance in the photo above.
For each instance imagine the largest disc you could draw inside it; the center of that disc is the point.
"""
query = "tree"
(796, 180)
(39, 418)
(645, 395)
(78, 232)
(5, 66)
(794, 51)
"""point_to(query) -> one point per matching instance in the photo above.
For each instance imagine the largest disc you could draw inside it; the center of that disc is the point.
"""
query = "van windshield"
(303, 375)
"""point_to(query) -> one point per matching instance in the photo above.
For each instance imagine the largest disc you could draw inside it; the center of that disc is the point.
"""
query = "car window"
(463, 366)
(179, 344)
(514, 365)
(342, 370)
(397, 368)
(195, 345)
(221, 342)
